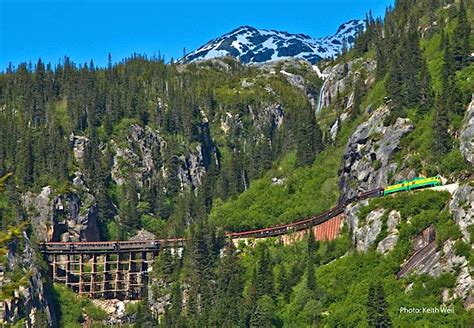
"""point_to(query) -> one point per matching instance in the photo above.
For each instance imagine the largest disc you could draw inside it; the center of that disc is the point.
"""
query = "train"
(276, 230)
(406, 185)
(416, 183)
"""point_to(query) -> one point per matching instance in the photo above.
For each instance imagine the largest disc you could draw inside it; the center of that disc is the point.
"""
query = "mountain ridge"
(252, 45)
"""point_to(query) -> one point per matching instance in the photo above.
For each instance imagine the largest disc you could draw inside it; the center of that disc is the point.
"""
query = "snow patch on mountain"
(251, 45)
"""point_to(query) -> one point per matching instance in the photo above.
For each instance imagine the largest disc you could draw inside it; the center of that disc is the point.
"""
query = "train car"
(416, 183)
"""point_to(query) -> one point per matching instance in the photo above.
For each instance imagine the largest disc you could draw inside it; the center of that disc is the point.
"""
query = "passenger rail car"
(416, 183)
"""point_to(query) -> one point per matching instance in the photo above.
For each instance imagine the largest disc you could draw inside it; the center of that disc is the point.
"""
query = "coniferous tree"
(228, 311)
(358, 95)
(263, 315)
(173, 312)
(372, 307)
(382, 305)
(461, 36)
(441, 139)
(450, 92)
(377, 307)
(25, 160)
(283, 284)
(426, 93)
(264, 277)
(128, 210)
(394, 83)
(308, 139)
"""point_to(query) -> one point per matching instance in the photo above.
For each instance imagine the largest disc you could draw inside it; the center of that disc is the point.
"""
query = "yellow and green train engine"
(412, 184)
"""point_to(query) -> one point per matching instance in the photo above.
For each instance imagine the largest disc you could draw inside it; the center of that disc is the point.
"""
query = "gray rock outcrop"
(31, 299)
(367, 158)
(467, 135)
(341, 77)
(366, 235)
(65, 217)
(78, 144)
(462, 208)
(143, 155)
(267, 118)
(388, 243)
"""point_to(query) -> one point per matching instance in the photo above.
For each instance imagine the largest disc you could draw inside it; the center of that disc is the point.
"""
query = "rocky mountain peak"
(251, 45)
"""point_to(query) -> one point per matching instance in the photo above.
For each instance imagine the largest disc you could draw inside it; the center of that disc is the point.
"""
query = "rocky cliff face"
(72, 216)
(340, 79)
(364, 235)
(367, 162)
(33, 301)
(467, 135)
(462, 208)
(144, 153)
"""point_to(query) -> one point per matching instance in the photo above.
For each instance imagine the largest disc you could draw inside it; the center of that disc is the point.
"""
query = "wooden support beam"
(81, 275)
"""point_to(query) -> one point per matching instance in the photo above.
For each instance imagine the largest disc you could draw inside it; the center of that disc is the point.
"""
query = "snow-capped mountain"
(251, 45)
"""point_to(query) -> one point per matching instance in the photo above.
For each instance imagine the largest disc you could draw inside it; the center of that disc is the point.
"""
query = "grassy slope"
(305, 191)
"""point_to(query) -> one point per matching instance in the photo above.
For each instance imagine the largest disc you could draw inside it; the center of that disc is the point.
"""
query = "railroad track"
(149, 245)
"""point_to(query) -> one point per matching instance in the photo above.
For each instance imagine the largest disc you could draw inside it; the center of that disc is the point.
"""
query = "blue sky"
(90, 29)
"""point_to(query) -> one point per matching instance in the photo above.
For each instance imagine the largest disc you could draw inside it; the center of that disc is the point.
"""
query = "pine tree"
(264, 277)
(283, 284)
(310, 278)
(263, 316)
(426, 93)
(25, 160)
(461, 36)
(411, 64)
(371, 307)
(441, 139)
(382, 305)
(308, 139)
(312, 247)
(128, 207)
(450, 93)
(228, 311)
(173, 316)
(377, 307)
(358, 94)
(394, 83)
(165, 265)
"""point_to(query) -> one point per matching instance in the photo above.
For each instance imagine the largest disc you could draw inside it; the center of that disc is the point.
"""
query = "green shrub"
(72, 307)
(446, 229)
(462, 249)
(453, 162)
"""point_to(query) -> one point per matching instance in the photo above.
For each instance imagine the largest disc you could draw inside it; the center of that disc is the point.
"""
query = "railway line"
(119, 269)
(156, 245)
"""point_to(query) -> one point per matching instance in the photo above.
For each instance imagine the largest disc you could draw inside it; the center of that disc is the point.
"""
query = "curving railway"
(277, 230)
(119, 269)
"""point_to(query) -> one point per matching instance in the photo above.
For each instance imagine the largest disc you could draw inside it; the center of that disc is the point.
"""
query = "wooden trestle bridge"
(111, 269)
